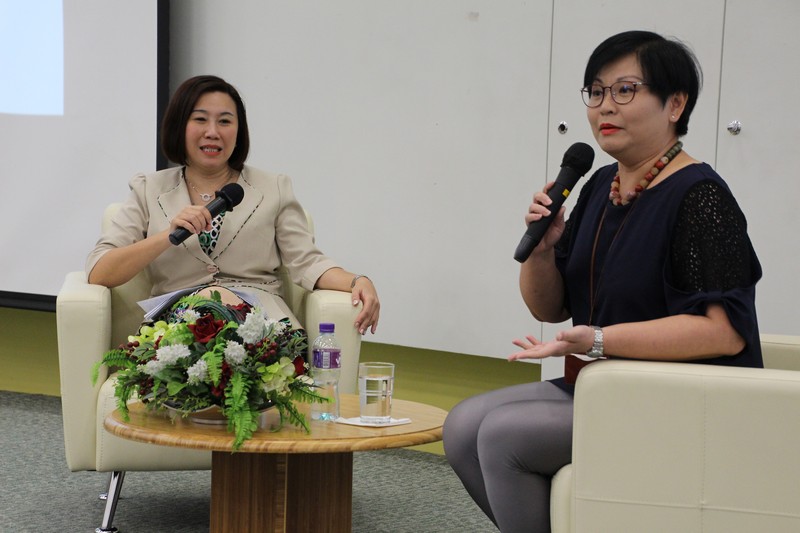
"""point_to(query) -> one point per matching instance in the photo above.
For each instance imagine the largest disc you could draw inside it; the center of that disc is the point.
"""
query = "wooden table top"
(325, 437)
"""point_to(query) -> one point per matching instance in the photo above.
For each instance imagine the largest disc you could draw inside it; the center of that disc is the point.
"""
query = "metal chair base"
(112, 498)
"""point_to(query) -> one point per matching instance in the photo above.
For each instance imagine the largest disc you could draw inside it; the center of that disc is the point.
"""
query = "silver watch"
(597, 346)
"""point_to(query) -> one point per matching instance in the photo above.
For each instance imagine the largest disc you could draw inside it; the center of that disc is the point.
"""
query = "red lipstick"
(608, 129)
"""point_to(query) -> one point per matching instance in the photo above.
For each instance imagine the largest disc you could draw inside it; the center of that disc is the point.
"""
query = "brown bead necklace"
(617, 199)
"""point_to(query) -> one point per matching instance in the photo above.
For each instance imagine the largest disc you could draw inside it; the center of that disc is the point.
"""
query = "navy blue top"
(640, 267)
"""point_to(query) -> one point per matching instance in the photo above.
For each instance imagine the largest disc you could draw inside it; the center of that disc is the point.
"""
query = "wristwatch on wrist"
(597, 346)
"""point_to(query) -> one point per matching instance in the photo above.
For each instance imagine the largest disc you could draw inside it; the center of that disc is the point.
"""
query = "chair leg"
(111, 497)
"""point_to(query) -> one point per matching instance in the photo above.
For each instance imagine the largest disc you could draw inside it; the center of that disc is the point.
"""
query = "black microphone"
(226, 199)
(577, 161)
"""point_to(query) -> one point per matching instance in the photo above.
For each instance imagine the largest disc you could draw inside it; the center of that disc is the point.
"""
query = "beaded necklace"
(617, 199)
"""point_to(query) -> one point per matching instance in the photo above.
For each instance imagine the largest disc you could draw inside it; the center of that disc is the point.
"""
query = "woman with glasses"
(653, 263)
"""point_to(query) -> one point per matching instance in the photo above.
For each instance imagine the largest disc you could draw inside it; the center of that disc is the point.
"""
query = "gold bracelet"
(353, 283)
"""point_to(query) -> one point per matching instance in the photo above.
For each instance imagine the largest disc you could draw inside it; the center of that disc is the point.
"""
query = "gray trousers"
(506, 445)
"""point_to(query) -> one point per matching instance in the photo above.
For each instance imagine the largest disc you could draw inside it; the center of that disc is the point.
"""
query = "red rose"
(206, 328)
(240, 311)
(244, 306)
(299, 366)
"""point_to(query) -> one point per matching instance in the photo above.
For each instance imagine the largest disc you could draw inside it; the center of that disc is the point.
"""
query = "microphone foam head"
(232, 193)
(579, 157)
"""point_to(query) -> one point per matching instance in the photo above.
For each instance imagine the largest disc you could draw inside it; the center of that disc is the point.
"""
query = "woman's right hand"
(193, 218)
(537, 210)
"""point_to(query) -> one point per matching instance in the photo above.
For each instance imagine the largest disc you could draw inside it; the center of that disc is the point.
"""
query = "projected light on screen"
(78, 118)
(32, 57)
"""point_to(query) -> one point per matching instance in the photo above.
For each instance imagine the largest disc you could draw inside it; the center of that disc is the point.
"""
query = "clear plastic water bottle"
(325, 368)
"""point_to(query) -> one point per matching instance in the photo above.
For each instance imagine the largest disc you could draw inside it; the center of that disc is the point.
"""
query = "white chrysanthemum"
(235, 353)
(252, 330)
(198, 372)
(190, 316)
(276, 326)
(171, 354)
(152, 367)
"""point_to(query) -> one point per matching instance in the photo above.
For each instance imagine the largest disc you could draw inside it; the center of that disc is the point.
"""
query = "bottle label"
(327, 358)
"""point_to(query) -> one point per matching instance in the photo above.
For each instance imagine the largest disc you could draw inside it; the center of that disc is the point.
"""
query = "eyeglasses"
(622, 92)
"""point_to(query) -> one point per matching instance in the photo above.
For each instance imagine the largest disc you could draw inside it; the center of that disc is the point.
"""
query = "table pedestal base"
(272, 493)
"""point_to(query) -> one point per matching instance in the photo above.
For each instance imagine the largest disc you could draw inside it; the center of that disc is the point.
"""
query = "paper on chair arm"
(156, 305)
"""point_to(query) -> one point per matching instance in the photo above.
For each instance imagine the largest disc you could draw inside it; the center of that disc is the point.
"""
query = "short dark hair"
(668, 65)
(181, 105)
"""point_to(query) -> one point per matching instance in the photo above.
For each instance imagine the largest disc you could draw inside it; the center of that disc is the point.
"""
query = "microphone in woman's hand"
(226, 199)
(577, 161)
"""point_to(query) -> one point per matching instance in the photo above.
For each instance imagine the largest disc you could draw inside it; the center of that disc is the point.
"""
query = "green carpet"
(394, 491)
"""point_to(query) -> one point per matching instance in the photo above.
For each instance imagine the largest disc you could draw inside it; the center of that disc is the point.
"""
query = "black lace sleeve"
(710, 246)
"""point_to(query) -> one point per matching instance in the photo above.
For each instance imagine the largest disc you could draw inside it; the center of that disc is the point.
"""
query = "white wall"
(417, 131)
(414, 132)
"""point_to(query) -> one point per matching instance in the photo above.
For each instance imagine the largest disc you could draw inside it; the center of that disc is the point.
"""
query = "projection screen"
(78, 117)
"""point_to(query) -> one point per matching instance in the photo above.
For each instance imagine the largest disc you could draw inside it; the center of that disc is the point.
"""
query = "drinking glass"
(375, 384)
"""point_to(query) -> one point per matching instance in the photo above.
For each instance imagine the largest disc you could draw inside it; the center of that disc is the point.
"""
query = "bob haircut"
(669, 67)
(173, 127)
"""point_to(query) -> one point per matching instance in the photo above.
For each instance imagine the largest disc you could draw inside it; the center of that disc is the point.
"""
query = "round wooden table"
(285, 480)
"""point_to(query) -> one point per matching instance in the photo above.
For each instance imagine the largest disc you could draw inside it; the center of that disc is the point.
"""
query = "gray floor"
(394, 491)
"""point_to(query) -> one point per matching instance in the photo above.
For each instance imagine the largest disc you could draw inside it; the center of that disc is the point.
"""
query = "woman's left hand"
(364, 292)
(578, 339)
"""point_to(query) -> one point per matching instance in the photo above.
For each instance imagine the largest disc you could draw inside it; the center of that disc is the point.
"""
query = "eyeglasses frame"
(585, 90)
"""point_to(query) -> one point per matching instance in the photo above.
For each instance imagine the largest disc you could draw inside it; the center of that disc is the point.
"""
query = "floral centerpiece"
(204, 353)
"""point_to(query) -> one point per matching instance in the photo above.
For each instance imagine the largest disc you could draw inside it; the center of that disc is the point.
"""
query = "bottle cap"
(326, 327)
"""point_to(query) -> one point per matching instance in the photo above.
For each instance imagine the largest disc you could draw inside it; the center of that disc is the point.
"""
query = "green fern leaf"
(242, 418)
(117, 358)
(214, 361)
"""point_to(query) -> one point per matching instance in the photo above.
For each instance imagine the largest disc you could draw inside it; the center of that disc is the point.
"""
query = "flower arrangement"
(204, 353)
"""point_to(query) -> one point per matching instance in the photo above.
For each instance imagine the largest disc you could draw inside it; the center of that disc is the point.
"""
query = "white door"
(760, 72)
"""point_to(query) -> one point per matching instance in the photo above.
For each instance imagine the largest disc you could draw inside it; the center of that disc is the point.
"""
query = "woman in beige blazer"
(205, 131)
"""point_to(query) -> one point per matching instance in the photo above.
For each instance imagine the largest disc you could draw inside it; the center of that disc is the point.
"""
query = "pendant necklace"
(203, 196)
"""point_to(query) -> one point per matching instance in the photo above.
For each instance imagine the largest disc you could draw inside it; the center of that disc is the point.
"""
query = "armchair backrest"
(127, 314)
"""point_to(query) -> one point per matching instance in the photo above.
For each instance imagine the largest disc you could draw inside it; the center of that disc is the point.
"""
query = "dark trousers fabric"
(506, 445)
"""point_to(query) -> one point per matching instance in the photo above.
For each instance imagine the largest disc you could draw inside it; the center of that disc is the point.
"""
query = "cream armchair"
(684, 447)
(91, 319)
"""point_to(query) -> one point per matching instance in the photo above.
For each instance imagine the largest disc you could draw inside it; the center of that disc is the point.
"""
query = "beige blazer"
(266, 230)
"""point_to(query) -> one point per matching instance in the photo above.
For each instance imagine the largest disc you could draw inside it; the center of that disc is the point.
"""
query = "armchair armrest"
(336, 307)
(83, 318)
(561, 500)
(781, 351)
(689, 447)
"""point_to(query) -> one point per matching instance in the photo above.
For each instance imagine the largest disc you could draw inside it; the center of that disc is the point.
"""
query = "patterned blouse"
(208, 239)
